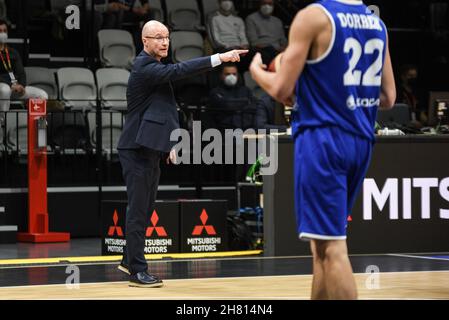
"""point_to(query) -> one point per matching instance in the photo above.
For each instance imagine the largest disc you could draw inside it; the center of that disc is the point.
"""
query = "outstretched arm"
(162, 73)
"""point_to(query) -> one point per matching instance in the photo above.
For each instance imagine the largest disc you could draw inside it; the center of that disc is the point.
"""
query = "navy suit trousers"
(141, 172)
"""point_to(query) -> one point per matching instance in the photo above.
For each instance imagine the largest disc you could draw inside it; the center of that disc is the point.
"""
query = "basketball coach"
(145, 139)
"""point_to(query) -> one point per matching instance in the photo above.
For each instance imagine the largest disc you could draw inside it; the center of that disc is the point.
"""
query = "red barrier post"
(38, 229)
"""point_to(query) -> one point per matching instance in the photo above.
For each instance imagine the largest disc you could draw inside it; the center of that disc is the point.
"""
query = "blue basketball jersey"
(342, 87)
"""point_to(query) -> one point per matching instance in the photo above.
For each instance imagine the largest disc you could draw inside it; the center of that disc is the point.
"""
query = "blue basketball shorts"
(330, 166)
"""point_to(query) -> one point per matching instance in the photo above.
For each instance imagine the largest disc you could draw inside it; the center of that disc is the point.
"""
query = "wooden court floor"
(389, 285)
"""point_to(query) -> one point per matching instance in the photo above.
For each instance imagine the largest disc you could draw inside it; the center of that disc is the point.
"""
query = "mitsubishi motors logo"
(115, 228)
(160, 231)
(198, 230)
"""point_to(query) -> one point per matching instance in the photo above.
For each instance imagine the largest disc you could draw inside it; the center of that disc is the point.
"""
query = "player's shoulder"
(313, 15)
(314, 10)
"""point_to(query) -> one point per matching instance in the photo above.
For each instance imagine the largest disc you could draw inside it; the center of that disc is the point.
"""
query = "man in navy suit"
(145, 139)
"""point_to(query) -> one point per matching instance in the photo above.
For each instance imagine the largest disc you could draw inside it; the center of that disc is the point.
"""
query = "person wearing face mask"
(234, 101)
(228, 29)
(266, 32)
(409, 92)
(12, 75)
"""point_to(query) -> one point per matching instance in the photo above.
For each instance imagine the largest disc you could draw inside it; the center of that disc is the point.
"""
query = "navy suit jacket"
(152, 114)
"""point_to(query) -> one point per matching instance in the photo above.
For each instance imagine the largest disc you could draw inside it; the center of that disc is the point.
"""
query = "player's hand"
(232, 56)
(172, 157)
(257, 64)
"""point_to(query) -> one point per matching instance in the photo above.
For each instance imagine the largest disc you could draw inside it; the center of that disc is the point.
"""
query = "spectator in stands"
(229, 32)
(265, 114)
(112, 13)
(12, 74)
(108, 14)
(266, 32)
(236, 102)
(228, 29)
(409, 93)
(139, 12)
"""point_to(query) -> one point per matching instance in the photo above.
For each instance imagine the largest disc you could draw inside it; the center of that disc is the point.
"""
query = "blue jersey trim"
(351, 3)
(334, 34)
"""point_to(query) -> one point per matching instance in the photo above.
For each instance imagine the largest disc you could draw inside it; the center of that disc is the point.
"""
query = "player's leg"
(339, 282)
(301, 169)
(318, 285)
(359, 168)
(321, 195)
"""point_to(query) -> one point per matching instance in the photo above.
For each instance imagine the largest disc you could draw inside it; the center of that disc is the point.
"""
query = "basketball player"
(338, 65)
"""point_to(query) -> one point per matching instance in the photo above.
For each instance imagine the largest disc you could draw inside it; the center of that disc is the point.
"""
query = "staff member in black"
(145, 138)
(12, 75)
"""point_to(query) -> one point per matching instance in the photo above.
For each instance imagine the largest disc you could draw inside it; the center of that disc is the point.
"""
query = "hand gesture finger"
(241, 52)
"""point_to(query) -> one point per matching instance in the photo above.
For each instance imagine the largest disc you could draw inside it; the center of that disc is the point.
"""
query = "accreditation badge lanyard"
(8, 67)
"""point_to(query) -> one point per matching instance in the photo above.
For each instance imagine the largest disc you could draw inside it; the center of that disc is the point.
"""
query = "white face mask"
(226, 5)
(230, 80)
(3, 37)
(266, 9)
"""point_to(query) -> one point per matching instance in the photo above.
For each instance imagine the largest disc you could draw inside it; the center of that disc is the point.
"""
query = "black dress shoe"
(144, 280)
(123, 267)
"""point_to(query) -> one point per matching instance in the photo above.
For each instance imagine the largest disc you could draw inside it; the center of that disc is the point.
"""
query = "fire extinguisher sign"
(37, 107)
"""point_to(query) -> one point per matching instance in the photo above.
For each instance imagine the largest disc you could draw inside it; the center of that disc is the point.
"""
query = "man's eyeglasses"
(160, 39)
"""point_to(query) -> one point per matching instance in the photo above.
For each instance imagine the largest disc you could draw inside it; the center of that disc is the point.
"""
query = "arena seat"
(68, 132)
(17, 131)
(112, 84)
(117, 48)
(183, 15)
(111, 127)
(44, 79)
(3, 13)
(157, 10)
(186, 45)
(209, 8)
(77, 88)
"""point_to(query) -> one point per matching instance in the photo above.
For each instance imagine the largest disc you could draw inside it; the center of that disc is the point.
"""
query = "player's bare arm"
(388, 88)
(306, 28)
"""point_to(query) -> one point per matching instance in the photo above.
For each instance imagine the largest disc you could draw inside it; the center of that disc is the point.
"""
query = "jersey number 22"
(372, 76)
